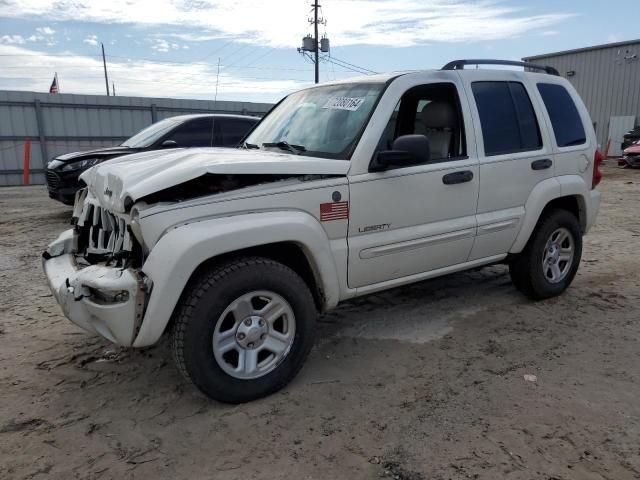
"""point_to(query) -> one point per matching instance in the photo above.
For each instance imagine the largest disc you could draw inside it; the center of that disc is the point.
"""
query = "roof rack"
(459, 65)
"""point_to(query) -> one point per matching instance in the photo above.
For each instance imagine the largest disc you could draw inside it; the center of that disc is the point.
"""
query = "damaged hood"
(138, 175)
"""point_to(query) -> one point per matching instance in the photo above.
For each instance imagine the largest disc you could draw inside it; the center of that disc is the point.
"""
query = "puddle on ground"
(402, 329)
(406, 326)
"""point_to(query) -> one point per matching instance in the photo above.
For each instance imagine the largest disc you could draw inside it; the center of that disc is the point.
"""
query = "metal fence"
(63, 123)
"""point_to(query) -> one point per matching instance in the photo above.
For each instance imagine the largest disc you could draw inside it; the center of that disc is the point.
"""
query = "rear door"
(514, 152)
(571, 130)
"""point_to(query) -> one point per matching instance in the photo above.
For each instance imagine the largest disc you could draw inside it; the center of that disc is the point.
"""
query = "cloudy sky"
(171, 48)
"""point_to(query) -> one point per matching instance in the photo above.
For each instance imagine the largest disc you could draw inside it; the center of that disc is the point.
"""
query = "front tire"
(244, 329)
(549, 262)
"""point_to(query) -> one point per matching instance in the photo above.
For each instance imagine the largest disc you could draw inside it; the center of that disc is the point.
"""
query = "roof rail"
(459, 65)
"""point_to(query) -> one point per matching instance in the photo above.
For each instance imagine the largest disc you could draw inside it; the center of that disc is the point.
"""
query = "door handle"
(457, 177)
(541, 164)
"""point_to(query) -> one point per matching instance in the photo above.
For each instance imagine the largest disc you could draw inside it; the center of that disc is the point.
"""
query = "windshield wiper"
(250, 146)
(282, 145)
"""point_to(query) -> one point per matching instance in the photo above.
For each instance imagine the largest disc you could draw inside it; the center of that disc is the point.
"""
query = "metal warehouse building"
(607, 77)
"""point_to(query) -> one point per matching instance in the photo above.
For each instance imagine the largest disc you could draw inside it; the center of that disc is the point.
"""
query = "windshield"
(322, 121)
(151, 134)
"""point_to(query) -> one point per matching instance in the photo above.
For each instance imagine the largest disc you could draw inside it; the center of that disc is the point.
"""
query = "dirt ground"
(419, 383)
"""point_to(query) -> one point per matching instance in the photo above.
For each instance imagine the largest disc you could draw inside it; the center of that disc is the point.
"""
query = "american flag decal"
(334, 211)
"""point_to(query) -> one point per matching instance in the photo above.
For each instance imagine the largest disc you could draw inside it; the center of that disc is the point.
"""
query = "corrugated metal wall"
(63, 123)
(607, 78)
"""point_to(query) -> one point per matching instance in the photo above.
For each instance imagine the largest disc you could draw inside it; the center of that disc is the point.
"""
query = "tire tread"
(521, 268)
(205, 281)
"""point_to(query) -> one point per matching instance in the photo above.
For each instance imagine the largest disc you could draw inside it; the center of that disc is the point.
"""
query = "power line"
(150, 60)
(241, 47)
(208, 55)
(354, 66)
(204, 76)
(116, 65)
(269, 50)
(49, 55)
(237, 83)
(331, 60)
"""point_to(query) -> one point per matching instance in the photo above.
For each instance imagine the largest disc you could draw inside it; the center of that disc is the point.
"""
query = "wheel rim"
(254, 334)
(558, 255)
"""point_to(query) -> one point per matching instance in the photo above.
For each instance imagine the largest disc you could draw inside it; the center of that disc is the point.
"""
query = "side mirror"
(169, 144)
(406, 150)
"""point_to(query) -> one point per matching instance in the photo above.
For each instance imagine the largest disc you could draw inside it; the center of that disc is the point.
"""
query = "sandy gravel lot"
(419, 383)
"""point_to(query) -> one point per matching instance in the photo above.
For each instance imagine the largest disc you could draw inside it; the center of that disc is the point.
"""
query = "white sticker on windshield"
(344, 103)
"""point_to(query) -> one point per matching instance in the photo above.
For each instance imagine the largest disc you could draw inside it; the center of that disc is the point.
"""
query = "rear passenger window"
(565, 119)
(508, 121)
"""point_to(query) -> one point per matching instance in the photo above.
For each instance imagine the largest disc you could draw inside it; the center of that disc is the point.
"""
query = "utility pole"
(113, 88)
(315, 40)
(215, 98)
(312, 46)
(104, 64)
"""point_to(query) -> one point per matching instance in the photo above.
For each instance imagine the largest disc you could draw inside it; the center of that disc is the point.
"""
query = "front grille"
(101, 233)
(53, 181)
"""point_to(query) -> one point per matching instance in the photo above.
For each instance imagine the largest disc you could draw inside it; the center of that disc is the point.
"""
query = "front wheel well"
(290, 254)
(573, 204)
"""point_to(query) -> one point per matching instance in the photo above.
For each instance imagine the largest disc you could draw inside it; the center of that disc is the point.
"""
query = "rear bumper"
(630, 160)
(104, 300)
(594, 207)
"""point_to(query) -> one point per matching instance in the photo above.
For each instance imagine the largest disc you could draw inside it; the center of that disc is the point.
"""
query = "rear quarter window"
(565, 118)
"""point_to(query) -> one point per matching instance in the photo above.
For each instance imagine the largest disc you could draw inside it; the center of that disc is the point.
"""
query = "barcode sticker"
(344, 103)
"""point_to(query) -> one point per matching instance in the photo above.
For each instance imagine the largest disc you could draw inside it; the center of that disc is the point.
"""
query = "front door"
(411, 220)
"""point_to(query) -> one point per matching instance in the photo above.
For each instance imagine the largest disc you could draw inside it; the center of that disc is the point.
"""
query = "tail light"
(597, 174)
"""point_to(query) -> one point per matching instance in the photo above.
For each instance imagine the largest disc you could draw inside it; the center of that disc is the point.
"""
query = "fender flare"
(545, 192)
(177, 255)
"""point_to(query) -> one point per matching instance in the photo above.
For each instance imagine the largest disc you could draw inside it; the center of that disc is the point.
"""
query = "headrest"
(438, 114)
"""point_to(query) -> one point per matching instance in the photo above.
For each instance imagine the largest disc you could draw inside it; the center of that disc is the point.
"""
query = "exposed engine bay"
(210, 184)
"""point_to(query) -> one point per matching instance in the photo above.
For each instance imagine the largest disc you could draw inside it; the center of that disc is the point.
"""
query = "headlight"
(81, 165)
(53, 164)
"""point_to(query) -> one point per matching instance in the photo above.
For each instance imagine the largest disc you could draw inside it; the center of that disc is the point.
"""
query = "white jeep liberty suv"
(343, 189)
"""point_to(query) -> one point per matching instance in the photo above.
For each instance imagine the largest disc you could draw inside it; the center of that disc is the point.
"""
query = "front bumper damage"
(101, 299)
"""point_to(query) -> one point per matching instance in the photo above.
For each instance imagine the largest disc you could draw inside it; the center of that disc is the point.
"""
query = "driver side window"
(433, 111)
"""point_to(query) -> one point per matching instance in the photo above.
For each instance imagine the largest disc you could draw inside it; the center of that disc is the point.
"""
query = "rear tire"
(549, 262)
(244, 329)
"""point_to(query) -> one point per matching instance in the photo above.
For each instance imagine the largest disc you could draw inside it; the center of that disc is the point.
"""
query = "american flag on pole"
(54, 85)
(334, 211)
